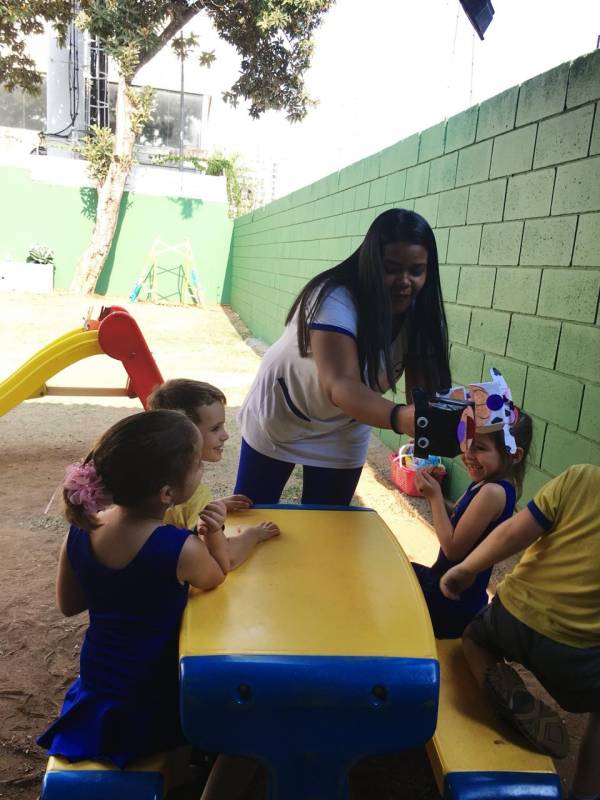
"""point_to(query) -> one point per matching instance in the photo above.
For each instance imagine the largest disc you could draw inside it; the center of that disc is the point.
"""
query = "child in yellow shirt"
(204, 404)
(545, 616)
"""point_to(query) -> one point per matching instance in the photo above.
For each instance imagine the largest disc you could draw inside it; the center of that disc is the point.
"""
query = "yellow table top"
(334, 583)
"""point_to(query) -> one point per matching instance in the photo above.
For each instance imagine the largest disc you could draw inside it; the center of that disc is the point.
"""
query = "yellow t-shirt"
(555, 587)
(186, 514)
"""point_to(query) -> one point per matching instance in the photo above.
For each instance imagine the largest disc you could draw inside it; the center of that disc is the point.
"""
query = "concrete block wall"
(512, 190)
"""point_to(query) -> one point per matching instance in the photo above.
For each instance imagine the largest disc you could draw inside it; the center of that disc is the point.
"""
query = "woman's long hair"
(362, 273)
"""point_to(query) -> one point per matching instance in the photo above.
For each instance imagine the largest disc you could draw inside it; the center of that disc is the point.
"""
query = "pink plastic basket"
(404, 477)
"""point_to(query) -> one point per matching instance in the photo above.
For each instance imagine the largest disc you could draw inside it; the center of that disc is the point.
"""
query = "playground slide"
(53, 358)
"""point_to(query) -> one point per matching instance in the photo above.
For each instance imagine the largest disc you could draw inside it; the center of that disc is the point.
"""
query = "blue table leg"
(308, 776)
(308, 718)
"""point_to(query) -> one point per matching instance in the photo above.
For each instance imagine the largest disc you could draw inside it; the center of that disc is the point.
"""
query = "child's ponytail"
(84, 494)
(134, 459)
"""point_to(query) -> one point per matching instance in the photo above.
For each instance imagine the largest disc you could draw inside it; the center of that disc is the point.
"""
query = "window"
(162, 129)
(18, 109)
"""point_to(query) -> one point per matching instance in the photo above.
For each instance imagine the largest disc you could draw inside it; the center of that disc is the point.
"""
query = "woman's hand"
(236, 502)
(212, 518)
(456, 581)
(426, 484)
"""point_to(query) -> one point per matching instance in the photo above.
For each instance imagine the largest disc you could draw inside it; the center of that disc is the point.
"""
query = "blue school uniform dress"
(450, 617)
(125, 702)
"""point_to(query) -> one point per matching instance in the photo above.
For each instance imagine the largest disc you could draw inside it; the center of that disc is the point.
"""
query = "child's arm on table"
(514, 535)
(485, 507)
(197, 566)
(211, 525)
(69, 594)
(243, 543)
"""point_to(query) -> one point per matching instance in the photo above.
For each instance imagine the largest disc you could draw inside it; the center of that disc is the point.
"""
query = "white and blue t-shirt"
(287, 414)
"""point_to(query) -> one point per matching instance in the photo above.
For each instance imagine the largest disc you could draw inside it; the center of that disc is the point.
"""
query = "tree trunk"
(109, 197)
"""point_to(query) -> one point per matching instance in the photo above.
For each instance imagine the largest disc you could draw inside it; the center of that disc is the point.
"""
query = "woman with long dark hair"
(350, 334)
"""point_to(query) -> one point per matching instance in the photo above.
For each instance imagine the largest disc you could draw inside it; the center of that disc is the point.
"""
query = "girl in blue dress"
(132, 573)
(497, 480)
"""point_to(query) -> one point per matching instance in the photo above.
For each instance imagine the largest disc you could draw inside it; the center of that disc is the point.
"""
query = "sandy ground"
(39, 648)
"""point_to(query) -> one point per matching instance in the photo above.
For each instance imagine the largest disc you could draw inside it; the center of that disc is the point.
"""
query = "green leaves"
(273, 37)
(206, 58)
(183, 45)
(97, 149)
(142, 101)
(238, 182)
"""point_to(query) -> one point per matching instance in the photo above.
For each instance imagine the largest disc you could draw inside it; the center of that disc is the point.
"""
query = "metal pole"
(181, 107)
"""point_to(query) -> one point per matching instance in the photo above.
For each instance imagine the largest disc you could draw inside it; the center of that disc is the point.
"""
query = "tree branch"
(174, 26)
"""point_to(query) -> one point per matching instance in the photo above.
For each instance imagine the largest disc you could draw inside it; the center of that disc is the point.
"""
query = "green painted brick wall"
(486, 201)
(476, 286)
(517, 289)
(452, 207)
(474, 163)
(512, 189)
(548, 241)
(442, 174)
(497, 115)
(513, 152)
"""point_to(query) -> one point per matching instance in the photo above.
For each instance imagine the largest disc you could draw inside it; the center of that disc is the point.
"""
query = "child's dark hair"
(522, 430)
(137, 457)
(184, 394)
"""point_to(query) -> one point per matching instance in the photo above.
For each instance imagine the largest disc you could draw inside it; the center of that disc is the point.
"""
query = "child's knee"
(467, 636)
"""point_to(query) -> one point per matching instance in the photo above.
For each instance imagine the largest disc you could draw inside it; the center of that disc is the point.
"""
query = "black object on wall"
(480, 13)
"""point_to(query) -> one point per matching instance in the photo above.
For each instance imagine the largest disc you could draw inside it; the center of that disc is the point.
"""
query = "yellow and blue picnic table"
(317, 652)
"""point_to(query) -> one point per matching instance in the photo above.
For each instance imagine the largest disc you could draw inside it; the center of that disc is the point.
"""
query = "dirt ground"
(38, 647)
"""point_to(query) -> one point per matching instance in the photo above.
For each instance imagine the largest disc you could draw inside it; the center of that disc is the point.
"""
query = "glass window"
(18, 109)
(162, 129)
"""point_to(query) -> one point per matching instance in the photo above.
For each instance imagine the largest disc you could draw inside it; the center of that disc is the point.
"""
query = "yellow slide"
(59, 354)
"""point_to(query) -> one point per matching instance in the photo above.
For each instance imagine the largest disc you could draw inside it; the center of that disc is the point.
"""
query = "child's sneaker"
(536, 721)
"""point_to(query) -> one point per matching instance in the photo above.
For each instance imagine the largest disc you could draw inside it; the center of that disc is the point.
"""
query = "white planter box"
(22, 276)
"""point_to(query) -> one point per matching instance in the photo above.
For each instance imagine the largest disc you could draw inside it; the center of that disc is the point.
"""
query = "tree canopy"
(273, 38)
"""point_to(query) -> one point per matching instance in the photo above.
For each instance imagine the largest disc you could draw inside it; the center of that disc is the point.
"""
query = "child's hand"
(426, 484)
(456, 581)
(236, 502)
(212, 518)
(265, 531)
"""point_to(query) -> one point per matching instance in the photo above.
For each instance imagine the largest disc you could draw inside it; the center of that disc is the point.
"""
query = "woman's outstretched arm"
(336, 358)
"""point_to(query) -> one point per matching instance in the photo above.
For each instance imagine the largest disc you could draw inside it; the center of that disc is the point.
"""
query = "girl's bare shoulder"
(494, 493)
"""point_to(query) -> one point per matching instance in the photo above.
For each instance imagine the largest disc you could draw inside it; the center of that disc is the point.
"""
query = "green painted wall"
(62, 217)
(512, 190)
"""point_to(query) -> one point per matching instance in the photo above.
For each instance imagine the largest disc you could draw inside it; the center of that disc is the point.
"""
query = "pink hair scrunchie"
(85, 488)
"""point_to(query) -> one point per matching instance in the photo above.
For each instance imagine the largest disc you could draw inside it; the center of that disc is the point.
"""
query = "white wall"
(151, 180)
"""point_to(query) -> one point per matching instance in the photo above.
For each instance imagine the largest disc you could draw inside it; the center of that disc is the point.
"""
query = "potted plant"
(36, 274)
(40, 254)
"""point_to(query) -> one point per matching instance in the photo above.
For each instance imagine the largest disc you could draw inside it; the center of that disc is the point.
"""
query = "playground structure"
(184, 283)
(338, 662)
(114, 333)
